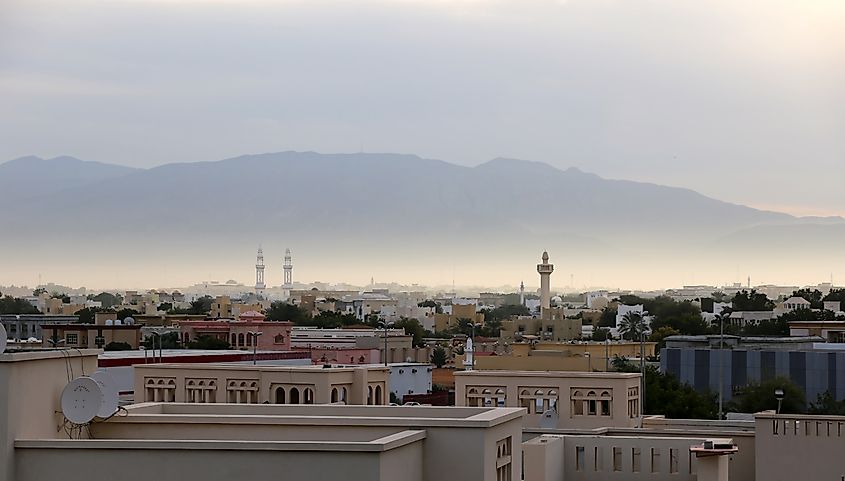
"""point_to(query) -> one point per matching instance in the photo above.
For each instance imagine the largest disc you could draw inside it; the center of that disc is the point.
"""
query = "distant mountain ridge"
(350, 204)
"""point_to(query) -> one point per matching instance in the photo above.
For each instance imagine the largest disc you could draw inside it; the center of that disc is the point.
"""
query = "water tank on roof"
(117, 322)
(109, 322)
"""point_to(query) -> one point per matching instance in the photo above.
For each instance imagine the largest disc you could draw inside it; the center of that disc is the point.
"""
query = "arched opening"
(343, 395)
(234, 339)
(280, 395)
(308, 394)
(378, 395)
(334, 395)
(369, 395)
(249, 340)
(240, 340)
(294, 395)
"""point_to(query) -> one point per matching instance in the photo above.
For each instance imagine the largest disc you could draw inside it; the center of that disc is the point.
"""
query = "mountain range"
(357, 206)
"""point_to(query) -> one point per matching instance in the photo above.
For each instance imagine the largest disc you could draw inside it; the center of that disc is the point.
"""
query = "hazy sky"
(741, 100)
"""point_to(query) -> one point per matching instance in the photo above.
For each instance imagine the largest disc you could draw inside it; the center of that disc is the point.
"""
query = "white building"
(410, 378)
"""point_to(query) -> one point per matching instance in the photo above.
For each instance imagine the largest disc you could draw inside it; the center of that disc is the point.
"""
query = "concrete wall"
(31, 385)
(794, 447)
(223, 461)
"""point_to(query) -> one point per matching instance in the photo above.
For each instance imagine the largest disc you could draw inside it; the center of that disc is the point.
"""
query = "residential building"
(552, 325)
(84, 336)
(241, 333)
(224, 308)
(410, 378)
(245, 384)
(560, 356)
(26, 326)
(577, 399)
(449, 320)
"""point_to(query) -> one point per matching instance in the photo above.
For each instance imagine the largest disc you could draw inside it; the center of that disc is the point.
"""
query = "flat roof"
(35, 354)
(318, 415)
(547, 374)
(261, 367)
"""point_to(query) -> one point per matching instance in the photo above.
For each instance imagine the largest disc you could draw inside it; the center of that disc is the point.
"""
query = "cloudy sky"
(741, 100)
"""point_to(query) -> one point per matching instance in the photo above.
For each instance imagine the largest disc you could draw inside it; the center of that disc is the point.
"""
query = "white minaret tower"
(259, 272)
(287, 285)
(545, 270)
(521, 293)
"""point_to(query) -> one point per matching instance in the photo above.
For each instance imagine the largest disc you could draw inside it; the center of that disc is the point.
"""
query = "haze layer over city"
(738, 108)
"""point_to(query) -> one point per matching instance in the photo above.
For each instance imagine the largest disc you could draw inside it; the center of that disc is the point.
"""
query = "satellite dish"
(129, 321)
(549, 419)
(110, 394)
(2, 339)
(81, 400)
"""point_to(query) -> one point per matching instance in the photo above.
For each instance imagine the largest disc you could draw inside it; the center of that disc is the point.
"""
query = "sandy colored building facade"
(445, 322)
(557, 356)
(578, 399)
(85, 336)
(239, 384)
(274, 335)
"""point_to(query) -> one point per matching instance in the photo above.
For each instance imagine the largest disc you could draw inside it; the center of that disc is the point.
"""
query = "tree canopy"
(282, 311)
(761, 397)
(745, 300)
(14, 305)
(438, 356)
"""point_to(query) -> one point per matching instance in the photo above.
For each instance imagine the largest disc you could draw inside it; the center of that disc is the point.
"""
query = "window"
(579, 458)
(617, 459)
(673, 461)
(279, 339)
(504, 453)
(71, 338)
(597, 461)
(655, 460)
(635, 460)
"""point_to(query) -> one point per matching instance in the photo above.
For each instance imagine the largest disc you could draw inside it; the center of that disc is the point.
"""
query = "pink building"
(343, 355)
(275, 336)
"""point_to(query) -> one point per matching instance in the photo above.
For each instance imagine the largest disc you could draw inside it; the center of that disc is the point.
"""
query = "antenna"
(2, 339)
(110, 396)
(549, 419)
(81, 400)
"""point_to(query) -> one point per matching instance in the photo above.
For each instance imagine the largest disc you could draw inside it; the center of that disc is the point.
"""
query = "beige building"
(84, 336)
(561, 356)
(224, 308)
(445, 322)
(578, 399)
(221, 442)
(220, 383)
(551, 326)
(55, 307)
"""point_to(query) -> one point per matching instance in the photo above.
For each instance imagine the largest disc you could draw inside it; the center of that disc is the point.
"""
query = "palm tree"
(632, 326)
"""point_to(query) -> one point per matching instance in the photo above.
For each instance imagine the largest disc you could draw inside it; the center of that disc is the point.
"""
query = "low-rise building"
(572, 399)
(205, 383)
(242, 333)
(410, 378)
(85, 336)
(448, 320)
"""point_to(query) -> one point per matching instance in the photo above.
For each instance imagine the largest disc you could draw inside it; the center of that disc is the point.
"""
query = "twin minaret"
(287, 285)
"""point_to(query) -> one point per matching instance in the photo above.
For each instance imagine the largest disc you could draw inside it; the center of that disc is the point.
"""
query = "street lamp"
(473, 325)
(779, 395)
(254, 335)
(589, 361)
(385, 325)
(721, 352)
(642, 372)
(606, 354)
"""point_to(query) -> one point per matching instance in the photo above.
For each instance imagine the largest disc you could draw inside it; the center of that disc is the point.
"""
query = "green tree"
(87, 315)
(684, 316)
(117, 346)
(632, 326)
(208, 342)
(666, 395)
(413, 328)
(751, 301)
(659, 336)
(438, 356)
(201, 306)
(282, 311)
(107, 299)
(124, 313)
(826, 404)
(14, 305)
(608, 318)
(165, 306)
(761, 397)
(169, 340)
(600, 334)
(814, 297)
(775, 327)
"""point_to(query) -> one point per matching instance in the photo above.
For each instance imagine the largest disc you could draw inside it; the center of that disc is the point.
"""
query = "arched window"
(486, 395)
(378, 394)
(343, 395)
(369, 395)
(309, 395)
(280, 395)
(234, 339)
(279, 339)
(334, 395)
(501, 397)
(241, 340)
(249, 340)
(294, 395)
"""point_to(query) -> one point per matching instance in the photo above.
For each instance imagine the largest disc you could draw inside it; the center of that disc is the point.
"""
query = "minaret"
(259, 272)
(545, 270)
(287, 285)
(521, 293)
